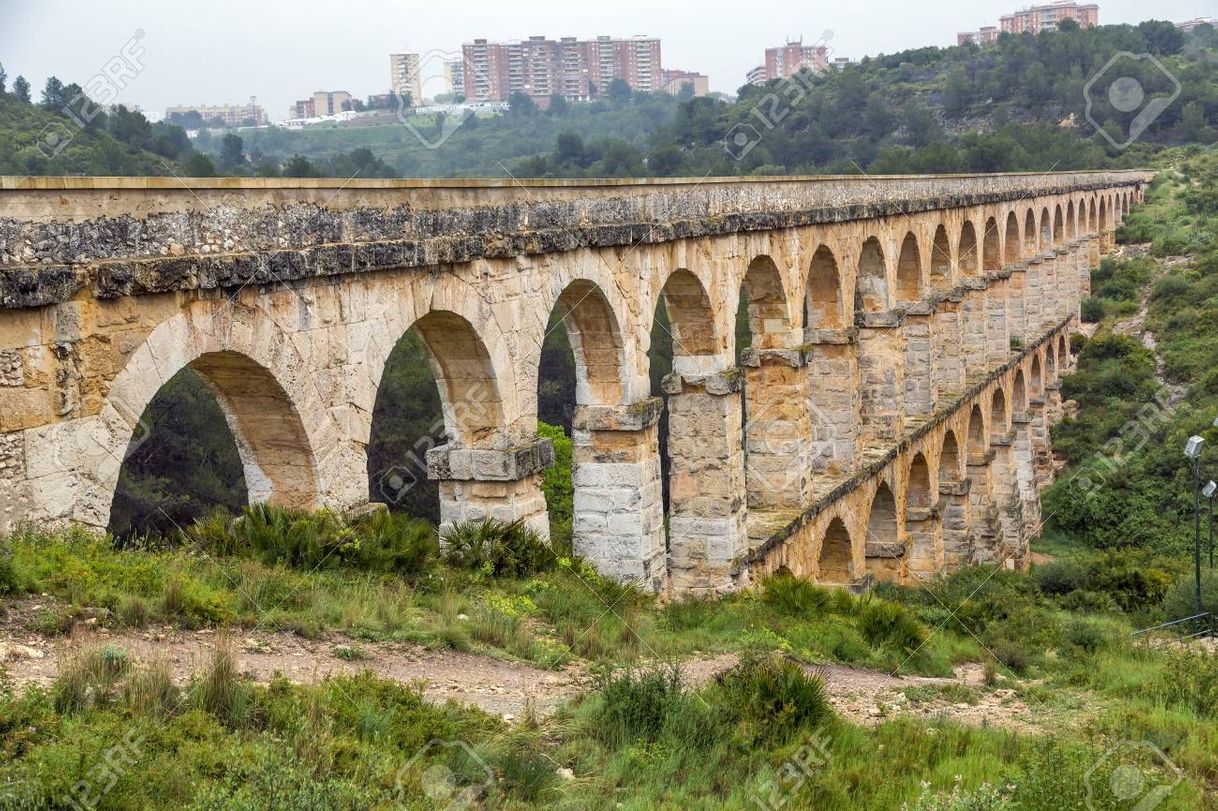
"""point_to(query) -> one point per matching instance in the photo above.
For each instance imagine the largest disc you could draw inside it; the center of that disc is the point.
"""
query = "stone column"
(949, 361)
(1038, 431)
(985, 534)
(1053, 402)
(997, 336)
(1017, 314)
(618, 517)
(955, 509)
(478, 483)
(973, 344)
(1007, 502)
(1094, 249)
(1025, 471)
(1066, 284)
(777, 429)
(706, 484)
(924, 540)
(881, 357)
(834, 401)
(921, 381)
(1034, 297)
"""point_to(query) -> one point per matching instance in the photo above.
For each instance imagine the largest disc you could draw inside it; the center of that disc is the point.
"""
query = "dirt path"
(508, 689)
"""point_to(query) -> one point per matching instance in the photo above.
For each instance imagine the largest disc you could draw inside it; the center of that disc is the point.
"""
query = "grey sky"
(227, 50)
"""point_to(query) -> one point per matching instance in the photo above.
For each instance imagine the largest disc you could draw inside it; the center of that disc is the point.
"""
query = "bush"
(885, 623)
(1181, 598)
(8, 573)
(637, 704)
(772, 698)
(1059, 577)
(496, 548)
(377, 541)
(796, 596)
(1092, 310)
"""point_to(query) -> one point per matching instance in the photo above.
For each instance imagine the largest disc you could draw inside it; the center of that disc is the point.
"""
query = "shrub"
(1059, 577)
(795, 595)
(8, 573)
(151, 691)
(496, 548)
(1092, 310)
(89, 679)
(637, 703)
(1181, 598)
(220, 691)
(892, 624)
(772, 698)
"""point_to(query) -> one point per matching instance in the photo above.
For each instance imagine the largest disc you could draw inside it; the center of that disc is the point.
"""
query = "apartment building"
(573, 68)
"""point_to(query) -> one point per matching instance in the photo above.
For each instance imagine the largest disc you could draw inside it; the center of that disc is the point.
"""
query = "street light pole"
(1193, 451)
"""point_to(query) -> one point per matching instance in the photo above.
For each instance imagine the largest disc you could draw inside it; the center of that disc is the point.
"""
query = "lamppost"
(1208, 492)
(1193, 451)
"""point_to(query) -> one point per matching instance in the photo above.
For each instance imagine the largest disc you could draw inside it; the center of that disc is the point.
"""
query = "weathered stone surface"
(287, 298)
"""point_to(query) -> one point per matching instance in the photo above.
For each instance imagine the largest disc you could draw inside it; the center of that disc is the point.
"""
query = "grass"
(641, 739)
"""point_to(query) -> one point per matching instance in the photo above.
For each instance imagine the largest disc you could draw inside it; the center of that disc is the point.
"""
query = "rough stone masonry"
(890, 417)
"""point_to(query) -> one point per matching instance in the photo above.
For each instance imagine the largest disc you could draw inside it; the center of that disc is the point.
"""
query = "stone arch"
(951, 460)
(466, 377)
(970, 261)
(836, 562)
(287, 440)
(690, 316)
(1046, 230)
(1013, 250)
(978, 442)
(909, 270)
(998, 411)
(1070, 229)
(884, 551)
(1092, 217)
(1063, 350)
(918, 492)
(941, 260)
(1019, 394)
(1058, 228)
(1103, 214)
(1031, 245)
(871, 286)
(823, 302)
(991, 253)
(1050, 363)
(596, 341)
(762, 290)
(1125, 203)
(1035, 378)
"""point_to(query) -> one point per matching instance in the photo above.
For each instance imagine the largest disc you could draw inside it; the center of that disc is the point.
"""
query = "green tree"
(3, 79)
(21, 89)
(619, 92)
(299, 166)
(199, 165)
(232, 152)
(53, 94)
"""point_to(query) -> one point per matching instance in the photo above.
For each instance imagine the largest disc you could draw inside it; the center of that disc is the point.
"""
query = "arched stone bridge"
(891, 416)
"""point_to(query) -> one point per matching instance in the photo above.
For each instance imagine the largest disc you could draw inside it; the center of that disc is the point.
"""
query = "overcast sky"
(197, 52)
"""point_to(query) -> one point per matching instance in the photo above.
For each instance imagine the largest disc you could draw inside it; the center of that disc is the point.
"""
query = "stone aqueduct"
(890, 418)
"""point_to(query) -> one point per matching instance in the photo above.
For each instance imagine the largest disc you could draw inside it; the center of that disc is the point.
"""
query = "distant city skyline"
(224, 51)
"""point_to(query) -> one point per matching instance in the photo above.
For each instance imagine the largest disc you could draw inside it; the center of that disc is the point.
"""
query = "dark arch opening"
(1070, 232)
(823, 302)
(883, 535)
(1019, 394)
(182, 463)
(909, 270)
(998, 412)
(438, 386)
(1057, 225)
(836, 563)
(977, 442)
(950, 463)
(1103, 214)
(1092, 216)
(918, 493)
(1029, 234)
(1013, 248)
(871, 287)
(1035, 383)
(1046, 230)
(969, 260)
(991, 255)
(941, 260)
